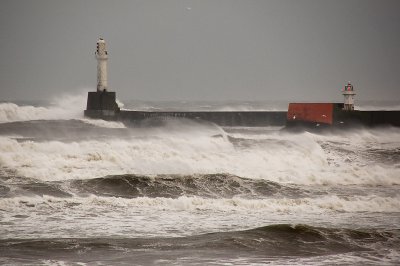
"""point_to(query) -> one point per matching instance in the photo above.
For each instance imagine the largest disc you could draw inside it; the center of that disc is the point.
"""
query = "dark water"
(87, 192)
(281, 243)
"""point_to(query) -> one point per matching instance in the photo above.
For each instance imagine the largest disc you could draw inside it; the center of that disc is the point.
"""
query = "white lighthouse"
(101, 56)
(348, 93)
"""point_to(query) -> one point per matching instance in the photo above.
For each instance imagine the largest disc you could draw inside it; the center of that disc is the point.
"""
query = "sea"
(78, 191)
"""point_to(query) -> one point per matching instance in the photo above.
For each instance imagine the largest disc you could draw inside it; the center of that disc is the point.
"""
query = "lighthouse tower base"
(101, 103)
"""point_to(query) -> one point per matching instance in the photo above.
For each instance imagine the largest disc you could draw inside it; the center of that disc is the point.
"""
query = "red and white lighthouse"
(348, 93)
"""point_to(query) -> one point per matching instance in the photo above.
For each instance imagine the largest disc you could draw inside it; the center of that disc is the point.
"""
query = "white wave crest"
(95, 216)
(103, 123)
(65, 107)
(10, 112)
(351, 204)
(286, 158)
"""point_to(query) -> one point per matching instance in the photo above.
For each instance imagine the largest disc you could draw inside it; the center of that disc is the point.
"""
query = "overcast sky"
(202, 50)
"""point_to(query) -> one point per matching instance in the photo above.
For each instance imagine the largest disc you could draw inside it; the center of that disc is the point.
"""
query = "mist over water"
(75, 190)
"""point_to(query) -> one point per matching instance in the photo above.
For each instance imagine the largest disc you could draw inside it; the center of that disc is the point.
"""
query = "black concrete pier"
(102, 105)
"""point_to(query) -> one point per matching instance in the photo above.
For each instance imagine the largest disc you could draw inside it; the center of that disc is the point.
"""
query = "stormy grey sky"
(202, 50)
